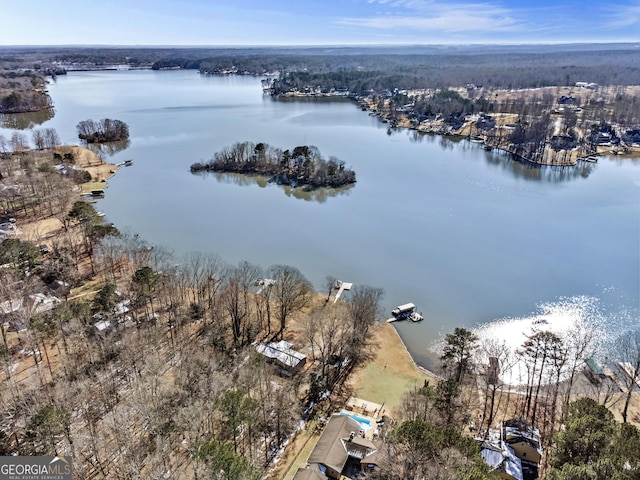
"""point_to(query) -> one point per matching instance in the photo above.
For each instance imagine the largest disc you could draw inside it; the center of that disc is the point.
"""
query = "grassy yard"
(90, 186)
(390, 374)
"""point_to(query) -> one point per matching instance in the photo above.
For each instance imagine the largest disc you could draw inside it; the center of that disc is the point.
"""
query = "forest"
(302, 166)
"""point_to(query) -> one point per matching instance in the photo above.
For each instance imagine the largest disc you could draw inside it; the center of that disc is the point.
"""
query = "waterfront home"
(524, 439)
(514, 450)
(312, 472)
(341, 451)
(503, 459)
(283, 356)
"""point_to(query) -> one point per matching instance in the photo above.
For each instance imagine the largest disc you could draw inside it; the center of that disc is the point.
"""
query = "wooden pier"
(341, 286)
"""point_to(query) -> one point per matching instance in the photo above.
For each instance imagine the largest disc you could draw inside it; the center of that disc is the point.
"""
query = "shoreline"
(100, 170)
(45, 228)
(550, 157)
(390, 372)
(424, 370)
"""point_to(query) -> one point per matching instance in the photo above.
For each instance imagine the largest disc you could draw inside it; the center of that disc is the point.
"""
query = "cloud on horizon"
(437, 16)
(623, 15)
(497, 20)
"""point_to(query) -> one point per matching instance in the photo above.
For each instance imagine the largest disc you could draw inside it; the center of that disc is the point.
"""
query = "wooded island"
(303, 166)
(106, 130)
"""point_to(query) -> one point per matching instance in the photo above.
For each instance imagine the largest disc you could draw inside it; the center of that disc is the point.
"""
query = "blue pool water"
(362, 421)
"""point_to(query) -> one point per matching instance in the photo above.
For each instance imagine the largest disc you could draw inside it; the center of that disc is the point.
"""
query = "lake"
(471, 237)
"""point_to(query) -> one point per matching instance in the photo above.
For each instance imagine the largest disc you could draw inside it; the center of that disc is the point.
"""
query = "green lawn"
(390, 374)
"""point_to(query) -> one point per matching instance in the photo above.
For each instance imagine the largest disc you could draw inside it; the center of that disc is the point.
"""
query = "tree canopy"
(592, 445)
(106, 130)
(303, 166)
(421, 449)
(457, 352)
(23, 256)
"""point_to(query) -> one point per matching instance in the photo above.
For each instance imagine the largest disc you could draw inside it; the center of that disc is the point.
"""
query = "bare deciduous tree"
(237, 303)
(291, 292)
(629, 363)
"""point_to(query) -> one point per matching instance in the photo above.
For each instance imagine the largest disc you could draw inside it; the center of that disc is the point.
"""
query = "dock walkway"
(342, 286)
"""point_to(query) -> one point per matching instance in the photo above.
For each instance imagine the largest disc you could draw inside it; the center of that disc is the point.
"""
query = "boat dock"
(405, 312)
(263, 283)
(341, 286)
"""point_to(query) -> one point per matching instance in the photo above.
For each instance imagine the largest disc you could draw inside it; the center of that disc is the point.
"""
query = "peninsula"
(22, 91)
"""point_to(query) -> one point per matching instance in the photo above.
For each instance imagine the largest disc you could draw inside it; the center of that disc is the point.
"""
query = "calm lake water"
(471, 237)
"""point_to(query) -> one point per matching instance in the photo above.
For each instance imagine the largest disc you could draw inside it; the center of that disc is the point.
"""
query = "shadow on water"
(543, 173)
(185, 108)
(108, 148)
(319, 195)
(23, 121)
(306, 99)
(507, 162)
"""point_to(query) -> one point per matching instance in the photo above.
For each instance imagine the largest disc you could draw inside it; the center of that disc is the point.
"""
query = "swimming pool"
(366, 424)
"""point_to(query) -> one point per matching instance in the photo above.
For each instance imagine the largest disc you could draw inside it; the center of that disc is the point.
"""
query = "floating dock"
(405, 312)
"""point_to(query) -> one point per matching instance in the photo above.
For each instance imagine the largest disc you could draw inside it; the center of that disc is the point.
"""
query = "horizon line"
(322, 45)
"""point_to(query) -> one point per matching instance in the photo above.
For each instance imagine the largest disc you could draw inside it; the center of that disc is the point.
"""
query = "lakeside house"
(342, 451)
(503, 460)
(514, 450)
(283, 356)
(593, 371)
(34, 303)
(589, 85)
(312, 472)
(102, 326)
(632, 137)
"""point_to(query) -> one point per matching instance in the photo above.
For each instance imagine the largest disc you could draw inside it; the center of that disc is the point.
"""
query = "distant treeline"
(106, 130)
(361, 69)
(504, 70)
(303, 166)
(361, 74)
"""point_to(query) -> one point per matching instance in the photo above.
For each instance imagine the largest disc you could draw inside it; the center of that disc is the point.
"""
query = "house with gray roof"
(281, 354)
(340, 445)
(503, 460)
(312, 472)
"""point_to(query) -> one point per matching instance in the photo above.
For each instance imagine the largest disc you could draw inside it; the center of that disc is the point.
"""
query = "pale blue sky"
(300, 22)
